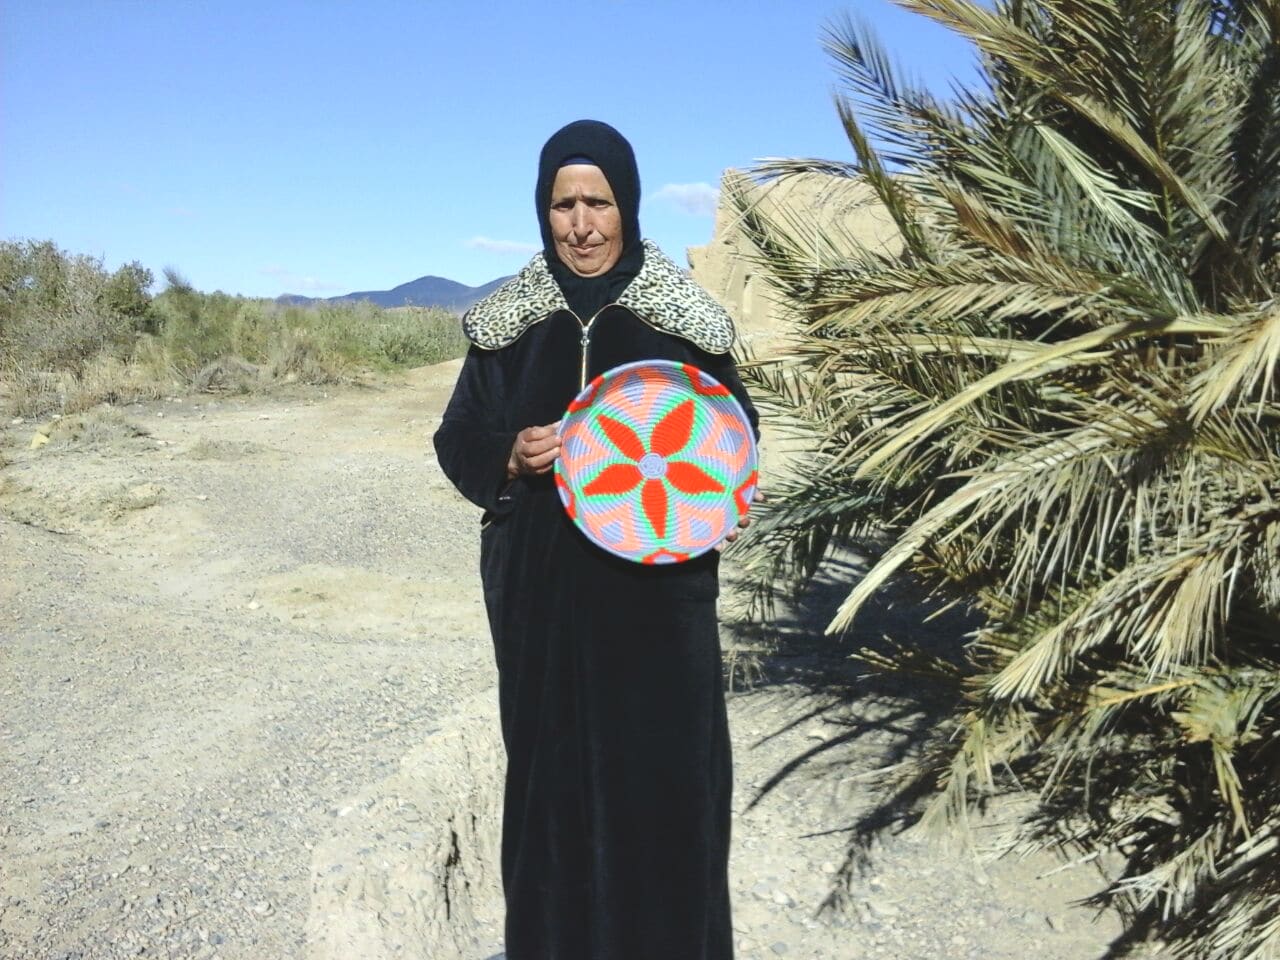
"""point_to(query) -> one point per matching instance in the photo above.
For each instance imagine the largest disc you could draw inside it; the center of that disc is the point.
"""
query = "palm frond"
(1049, 393)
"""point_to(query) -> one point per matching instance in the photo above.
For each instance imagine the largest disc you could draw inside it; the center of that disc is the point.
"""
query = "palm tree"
(1059, 402)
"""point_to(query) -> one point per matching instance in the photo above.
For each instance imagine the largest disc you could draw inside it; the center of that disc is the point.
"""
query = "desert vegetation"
(74, 335)
(1056, 406)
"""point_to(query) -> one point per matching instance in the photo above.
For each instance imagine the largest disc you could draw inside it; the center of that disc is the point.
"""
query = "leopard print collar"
(661, 294)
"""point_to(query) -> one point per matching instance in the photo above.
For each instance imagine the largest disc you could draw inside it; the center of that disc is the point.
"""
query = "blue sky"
(322, 147)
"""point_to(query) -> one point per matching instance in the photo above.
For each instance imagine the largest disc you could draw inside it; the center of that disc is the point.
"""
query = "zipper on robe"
(586, 341)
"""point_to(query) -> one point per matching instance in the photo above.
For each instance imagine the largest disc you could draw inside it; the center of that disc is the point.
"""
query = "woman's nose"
(581, 219)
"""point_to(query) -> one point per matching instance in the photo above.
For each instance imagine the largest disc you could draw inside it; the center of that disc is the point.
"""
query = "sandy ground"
(238, 637)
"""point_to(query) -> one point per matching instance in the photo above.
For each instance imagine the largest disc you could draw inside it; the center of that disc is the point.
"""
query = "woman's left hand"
(742, 524)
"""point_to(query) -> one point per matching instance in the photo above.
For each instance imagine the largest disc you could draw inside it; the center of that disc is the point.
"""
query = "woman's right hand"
(534, 451)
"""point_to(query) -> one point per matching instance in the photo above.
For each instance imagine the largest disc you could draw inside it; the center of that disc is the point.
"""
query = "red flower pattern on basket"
(652, 465)
(657, 462)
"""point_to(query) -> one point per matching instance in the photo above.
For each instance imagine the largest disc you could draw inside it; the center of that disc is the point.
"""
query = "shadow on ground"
(882, 720)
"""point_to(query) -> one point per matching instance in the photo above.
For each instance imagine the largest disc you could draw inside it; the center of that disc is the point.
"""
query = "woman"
(616, 814)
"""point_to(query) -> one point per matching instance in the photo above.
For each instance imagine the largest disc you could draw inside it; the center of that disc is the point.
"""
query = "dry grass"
(30, 393)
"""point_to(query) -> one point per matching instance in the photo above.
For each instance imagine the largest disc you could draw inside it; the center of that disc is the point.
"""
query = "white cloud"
(489, 245)
(699, 199)
(297, 282)
(314, 284)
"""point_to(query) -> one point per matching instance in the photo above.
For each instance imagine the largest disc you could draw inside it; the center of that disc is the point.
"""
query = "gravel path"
(217, 633)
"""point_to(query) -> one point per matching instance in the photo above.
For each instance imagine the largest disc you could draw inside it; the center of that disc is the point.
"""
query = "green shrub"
(57, 311)
(72, 334)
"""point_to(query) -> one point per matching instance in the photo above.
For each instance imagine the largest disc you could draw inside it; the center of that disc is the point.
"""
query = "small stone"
(782, 898)
(1056, 923)
(829, 868)
(253, 605)
(882, 908)
(263, 908)
(778, 947)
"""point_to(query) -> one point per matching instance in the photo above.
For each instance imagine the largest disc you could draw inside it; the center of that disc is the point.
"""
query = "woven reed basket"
(657, 461)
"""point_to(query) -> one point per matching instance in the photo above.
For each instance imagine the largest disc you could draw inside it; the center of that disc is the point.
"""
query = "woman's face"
(585, 221)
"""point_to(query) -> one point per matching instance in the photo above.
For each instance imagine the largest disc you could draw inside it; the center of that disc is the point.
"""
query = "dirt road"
(235, 636)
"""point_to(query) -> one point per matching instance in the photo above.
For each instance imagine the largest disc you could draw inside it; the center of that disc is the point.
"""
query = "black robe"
(615, 836)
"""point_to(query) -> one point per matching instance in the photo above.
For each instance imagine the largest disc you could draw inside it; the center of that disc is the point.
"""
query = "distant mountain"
(423, 292)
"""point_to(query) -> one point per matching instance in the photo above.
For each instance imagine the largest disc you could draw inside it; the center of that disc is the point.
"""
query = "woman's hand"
(743, 523)
(534, 451)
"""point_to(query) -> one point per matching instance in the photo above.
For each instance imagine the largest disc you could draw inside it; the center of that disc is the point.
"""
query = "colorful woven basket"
(657, 461)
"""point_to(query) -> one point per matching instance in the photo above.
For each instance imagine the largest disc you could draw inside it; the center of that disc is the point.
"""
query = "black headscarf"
(607, 149)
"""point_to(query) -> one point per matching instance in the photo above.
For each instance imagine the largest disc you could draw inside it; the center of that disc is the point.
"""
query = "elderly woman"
(615, 835)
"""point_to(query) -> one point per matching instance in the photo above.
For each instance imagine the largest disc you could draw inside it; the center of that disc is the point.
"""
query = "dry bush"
(226, 375)
(296, 358)
(102, 426)
(34, 393)
(108, 379)
(65, 339)
(122, 499)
